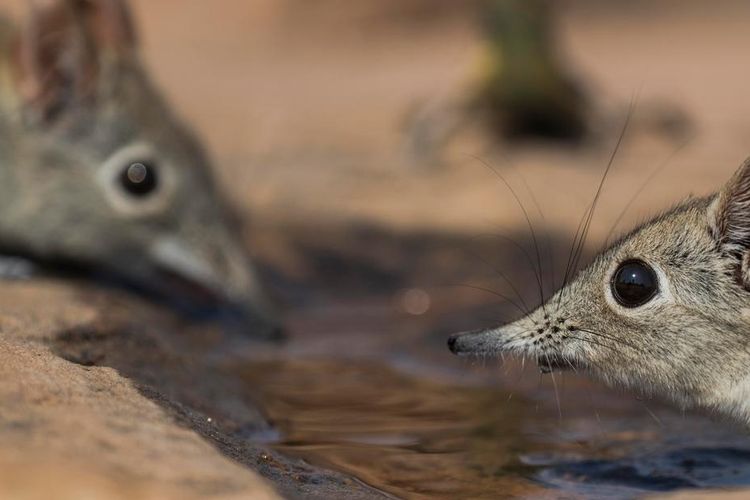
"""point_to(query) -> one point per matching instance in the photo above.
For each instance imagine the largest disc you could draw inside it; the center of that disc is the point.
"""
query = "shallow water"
(386, 403)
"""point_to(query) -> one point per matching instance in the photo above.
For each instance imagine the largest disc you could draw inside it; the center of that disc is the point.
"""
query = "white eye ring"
(109, 179)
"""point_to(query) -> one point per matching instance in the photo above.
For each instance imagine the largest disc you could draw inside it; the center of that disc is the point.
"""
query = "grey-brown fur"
(690, 344)
(75, 103)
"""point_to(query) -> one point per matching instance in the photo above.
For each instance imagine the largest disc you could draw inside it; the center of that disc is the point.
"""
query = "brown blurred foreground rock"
(103, 396)
(73, 431)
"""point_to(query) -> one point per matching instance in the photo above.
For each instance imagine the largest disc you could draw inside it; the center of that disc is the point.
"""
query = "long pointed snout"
(483, 341)
(535, 336)
(491, 341)
(216, 277)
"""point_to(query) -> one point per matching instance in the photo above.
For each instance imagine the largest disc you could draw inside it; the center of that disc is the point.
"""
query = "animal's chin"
(183, 289)
(555, 363)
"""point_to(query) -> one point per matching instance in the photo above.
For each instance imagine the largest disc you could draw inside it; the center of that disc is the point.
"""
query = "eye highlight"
(139, 178)
(634, 283)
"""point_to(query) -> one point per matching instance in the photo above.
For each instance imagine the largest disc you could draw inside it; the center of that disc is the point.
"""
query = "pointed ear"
(729, 213)
(729, 220)
(60, 52)
(109, 23)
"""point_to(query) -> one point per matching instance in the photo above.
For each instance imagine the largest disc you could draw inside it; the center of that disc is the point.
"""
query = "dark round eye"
(634, 283)
(139, 178)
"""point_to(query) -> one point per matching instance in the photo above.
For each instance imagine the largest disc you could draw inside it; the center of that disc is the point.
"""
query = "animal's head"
(97, 172)
(665, 310)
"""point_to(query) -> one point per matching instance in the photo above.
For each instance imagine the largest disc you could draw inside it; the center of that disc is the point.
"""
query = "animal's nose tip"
(452, 343)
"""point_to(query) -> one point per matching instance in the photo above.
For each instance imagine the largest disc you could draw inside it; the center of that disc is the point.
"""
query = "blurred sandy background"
(304, 105)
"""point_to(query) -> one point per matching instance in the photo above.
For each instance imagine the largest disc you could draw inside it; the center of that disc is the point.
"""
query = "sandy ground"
(107, 397)
(86, 430)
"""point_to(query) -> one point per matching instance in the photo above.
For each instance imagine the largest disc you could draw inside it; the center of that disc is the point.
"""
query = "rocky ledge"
(107, 397)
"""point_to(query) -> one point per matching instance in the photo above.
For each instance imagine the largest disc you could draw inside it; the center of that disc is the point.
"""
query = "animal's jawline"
(555, 363)
(181, 294)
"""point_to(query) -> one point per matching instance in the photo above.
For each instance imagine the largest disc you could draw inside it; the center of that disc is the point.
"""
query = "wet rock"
(86, 429)
(105, 396)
